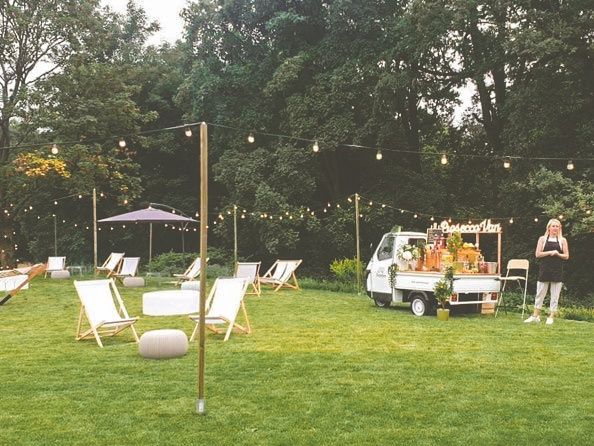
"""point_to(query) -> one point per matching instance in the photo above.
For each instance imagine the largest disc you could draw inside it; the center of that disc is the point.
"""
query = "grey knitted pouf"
(61, 274)
(163, 344)
(133, 282)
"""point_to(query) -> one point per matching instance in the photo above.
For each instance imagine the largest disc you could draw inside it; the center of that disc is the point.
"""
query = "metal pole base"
(201, 407)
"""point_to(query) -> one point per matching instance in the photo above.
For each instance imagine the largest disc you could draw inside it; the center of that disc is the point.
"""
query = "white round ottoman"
(190, 285)
(170, 302)
(60, 274)
(163, 344)
(133, 282)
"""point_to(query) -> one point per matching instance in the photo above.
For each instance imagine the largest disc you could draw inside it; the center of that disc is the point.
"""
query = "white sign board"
(484, 226)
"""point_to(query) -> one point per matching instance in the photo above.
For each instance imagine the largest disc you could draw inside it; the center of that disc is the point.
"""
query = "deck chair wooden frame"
(55, 264)
(281, 274)
(111, 264)
(29, 272)
(99, 308)
(191, 273)
(128, 268)
(522, 281)
(223, 304)
(250, 271)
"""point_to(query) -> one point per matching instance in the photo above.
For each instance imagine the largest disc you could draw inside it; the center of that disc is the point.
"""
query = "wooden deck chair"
(280, 273)
(223, 304)
(111, 264)
(14, 280)
(128, 268)
(99, 307)
(55, 264)
(191, 273)
(249, 271)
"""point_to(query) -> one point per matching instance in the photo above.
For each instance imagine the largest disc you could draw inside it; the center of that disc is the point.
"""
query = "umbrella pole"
(150, 243)
(201, 403)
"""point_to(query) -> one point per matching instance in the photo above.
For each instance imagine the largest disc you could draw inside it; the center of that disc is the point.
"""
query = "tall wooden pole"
(150, 243)
(95, 230)
(55, 235)
(201, 403)
(235, 235)
(358, 246)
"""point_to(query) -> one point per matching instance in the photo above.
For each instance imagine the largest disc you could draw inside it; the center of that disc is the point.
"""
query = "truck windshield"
(386, 248)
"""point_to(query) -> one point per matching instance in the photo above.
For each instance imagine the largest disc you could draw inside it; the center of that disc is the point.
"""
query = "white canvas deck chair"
(111, 264)
(249, 271)
(128, 268)
(223, 304)
(191, 273)
(99, 307)
(280, 273)
(14, 280)
(516, 266)
(55, 264)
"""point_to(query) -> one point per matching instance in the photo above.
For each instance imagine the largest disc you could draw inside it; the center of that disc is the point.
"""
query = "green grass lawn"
(319, 368)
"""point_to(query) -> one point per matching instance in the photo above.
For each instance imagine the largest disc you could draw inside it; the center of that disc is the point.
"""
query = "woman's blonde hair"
(551, 221)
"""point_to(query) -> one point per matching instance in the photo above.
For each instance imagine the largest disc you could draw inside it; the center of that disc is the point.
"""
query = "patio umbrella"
(149, 215)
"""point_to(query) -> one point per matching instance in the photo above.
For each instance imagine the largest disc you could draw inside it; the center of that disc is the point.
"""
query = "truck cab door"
(378, 279)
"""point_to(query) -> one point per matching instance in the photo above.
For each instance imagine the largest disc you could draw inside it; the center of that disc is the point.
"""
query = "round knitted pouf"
(163, 344)
(60, 274)
(133, 282)
(190, 285)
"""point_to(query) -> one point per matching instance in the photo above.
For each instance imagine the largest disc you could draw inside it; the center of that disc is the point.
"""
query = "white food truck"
(416, 287)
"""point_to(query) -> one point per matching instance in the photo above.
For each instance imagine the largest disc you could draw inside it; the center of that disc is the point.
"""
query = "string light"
(444, 159)
(506, 163)
(55, 149)
(188, 132)
(122, 143)
(378, 155)
(570, 165)
(251, 138)
(511, 220)
(315, 147)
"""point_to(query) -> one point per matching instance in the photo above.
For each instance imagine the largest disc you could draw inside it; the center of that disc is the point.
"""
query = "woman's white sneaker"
(533, 319)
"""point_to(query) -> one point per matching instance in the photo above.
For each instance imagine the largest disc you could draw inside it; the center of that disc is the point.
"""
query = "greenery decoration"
(454, 243)
(444, 287)
(408, 253)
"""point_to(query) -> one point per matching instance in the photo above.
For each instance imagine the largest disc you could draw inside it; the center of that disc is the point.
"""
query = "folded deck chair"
(191, 273)
(110, 265)
(99, 307)
(55, 264)
(223, 304)
(249, 271)
(128, 268)
(280, 273)
(14, 280)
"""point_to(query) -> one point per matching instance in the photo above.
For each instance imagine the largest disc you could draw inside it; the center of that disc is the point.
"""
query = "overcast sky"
(166, 12)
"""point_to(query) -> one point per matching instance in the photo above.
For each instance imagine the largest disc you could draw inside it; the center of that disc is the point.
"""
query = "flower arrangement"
(408, 253)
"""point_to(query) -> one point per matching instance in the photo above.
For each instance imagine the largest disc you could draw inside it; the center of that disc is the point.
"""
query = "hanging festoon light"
(55, 149)
(315, 147)
(444, 159)
(378, 155)
(251, 138)
(511, 220)
(506, 163)
(122, 143)
(570, 165)
(188, 132)
(535, 219)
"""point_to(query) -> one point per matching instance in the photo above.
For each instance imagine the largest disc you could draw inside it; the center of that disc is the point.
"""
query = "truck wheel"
(419, 305)
(381, 302)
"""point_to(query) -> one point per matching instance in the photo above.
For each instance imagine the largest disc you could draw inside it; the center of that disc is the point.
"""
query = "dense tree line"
(383, 74)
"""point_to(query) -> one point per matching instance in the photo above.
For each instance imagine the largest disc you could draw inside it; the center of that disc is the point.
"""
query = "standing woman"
(552, 250)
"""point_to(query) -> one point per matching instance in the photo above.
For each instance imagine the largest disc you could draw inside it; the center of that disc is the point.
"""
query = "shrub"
(345, 270)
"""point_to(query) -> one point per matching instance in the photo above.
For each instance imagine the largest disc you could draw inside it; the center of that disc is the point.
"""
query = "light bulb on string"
(122, 143)
(560, 216)
(378, 155)
(188, 132)
(535, 219)
(444, 159)
(506, 163)
(570, 165)
(511, 220)
(315, 147)
(251, 138)
(588, 212)
(55, 149)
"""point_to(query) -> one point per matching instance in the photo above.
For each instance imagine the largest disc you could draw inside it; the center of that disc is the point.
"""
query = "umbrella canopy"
(148, 215)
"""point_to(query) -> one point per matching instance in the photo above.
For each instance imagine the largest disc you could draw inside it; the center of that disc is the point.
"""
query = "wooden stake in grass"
(201, 403)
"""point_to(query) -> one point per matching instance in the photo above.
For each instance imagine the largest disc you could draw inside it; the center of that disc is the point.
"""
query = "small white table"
(170, 302)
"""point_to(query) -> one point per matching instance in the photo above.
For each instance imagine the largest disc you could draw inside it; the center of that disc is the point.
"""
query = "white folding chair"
(515, 265)
(249, 271)
(128, 268)
(191, 273)
(280, 273)
(111, 264)
(55, 264)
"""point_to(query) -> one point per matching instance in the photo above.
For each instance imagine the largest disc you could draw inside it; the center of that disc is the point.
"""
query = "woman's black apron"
(551, 267)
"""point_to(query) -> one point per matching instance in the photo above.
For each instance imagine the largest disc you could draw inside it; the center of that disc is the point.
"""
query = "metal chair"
(515, 265)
